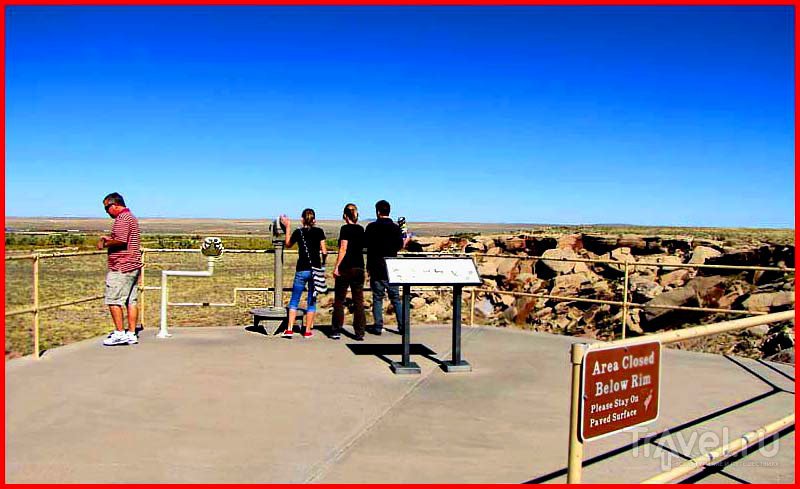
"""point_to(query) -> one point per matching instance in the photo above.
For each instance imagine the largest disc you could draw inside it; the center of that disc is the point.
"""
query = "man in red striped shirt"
(124, 268)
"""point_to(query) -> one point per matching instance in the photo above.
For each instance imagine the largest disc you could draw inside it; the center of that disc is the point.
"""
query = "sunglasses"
(108, 207)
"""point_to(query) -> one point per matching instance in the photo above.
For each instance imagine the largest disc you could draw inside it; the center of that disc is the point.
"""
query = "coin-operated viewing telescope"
(275, 316)
(212, 247)
(276, 229)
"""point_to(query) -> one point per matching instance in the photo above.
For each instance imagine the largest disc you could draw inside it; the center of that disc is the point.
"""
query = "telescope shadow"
(383, 351)
(257, 329)
(298, 327)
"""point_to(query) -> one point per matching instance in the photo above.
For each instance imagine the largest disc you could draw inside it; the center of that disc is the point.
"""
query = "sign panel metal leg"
(457, 364)
(406, 366)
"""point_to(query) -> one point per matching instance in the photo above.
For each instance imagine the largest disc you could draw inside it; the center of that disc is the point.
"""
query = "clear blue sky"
(574, 115)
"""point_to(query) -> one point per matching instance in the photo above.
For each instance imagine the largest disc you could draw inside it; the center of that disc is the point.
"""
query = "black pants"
(353, 278)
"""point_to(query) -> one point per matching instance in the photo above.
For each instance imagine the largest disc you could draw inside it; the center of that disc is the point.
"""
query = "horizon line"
(422, 222)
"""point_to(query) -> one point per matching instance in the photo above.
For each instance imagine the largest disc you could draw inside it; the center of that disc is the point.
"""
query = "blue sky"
(574, 115)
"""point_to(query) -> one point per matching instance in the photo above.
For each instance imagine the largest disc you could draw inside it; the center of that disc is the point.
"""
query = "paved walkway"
(228, 405)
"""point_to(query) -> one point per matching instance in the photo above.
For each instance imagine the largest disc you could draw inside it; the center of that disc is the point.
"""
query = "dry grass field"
(69, 278)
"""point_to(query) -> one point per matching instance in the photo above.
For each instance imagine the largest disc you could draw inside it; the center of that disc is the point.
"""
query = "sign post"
(457, 364)
(613, 388)
(406, 366)
(455, 272)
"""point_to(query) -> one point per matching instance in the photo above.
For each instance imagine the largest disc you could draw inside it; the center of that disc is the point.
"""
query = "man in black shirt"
(383, 239)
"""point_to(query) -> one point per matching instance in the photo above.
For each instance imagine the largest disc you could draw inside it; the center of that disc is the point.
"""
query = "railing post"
(278, 245)
(575, 456)
(36, 306)
(472, 307)
(625, 302)
(162, 332)
(141, 292)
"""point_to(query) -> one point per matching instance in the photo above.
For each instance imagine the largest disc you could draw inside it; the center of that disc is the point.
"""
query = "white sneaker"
(116, 338)
(132, 338)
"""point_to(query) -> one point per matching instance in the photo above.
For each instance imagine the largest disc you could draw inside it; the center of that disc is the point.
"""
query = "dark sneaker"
(359, 338)
(336, 336)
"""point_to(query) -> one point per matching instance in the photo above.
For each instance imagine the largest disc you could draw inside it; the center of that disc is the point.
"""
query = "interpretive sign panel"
(432, 271)
(620, 388)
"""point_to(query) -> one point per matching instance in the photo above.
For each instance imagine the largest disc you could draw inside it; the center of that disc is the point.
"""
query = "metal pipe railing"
(36, 257)
(165, 274)
(578, 353)
(634, 305)
(725, 451)
(52, 255)
(37, 308)
(695, 332)
(610, 262)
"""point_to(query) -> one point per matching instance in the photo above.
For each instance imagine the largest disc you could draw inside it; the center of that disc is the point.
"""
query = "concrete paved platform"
(223, 405)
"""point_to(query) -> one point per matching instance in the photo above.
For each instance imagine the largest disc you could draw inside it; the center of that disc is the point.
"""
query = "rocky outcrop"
(510, 263)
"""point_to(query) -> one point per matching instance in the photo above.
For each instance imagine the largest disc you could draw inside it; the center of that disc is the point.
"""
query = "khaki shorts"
(122, 288)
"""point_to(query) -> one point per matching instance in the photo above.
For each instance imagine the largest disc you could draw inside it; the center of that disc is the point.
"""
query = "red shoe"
(308, 334)
(288, 333)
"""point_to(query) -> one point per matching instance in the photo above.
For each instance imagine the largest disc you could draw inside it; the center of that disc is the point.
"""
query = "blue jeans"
(301, 278)
(379, 290)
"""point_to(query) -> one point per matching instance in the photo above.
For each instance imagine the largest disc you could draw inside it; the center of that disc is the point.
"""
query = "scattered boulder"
(572, 242)
(513, 244)
(676, 278)
(769, 302)
(677, 297)
(783, 356)
(619, 255)
(701, 253)
(484, 308)
(760, 331)
(543, 313)
(435, 312)
(705, 289)
(524, 306)
(488, 267)
(550, 261)
(708, 289)
(506, 266)
(644, 288)
(569, 284)
(507, 299)
(671, 260)
(475, 247)
(641, 245)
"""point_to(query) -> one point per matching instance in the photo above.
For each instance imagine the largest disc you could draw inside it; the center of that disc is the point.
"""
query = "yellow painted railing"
(575, 453)
(36, 307)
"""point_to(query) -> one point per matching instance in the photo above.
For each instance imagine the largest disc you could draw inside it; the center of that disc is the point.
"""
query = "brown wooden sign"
(620, 388)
